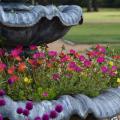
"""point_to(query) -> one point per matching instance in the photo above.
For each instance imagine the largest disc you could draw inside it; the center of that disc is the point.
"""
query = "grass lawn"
(98, 27)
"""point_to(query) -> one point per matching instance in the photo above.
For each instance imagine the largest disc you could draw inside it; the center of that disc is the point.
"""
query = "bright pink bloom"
(100, 59)
(72, 51)
(52, 53)
(87, 63)
(81, 58)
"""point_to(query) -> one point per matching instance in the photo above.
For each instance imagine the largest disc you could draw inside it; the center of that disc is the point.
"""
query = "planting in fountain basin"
(45, 75)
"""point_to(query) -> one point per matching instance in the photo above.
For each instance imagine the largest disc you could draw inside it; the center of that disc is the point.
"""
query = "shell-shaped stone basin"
(106, 105)
(27, 24)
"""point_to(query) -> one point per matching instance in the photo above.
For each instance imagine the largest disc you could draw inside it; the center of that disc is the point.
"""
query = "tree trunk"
(89, 5)
(95, 5)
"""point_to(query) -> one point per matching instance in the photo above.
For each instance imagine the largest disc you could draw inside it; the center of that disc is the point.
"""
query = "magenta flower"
(45, 117)
(81, 58)
(59, 108)
(100, 59)
(56, 76)
(77, 69)
(52, 53)
(16, 52)
(87, 63)
(19, 110)
(2, 92)
(72, 65)
(72, 51)
(53, 114)
(114, 68)
(1, 118)
(33, 47)
(104, 69)
(29, 105)
(26, 112)
(2, 102)
(38, 118)
(45, 94)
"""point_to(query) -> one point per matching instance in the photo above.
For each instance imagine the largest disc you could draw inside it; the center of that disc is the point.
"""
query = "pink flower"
(72, 51)
(1, 117)
(52, 53)
(33, 47)
(72, 65)
(100, 59)
(104, 69)
(87, 63)
(45, 94)
(56, 76)
(77, 69)
(2, 66)
(114, 68)
(16, 52)
(81, 58)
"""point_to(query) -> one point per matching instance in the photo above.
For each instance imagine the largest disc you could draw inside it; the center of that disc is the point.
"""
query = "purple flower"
(53, 114)
(45, 117)
(59, 108)
(101, 59)
(10, 81)
(29, 105)
(38, 118)
(19, 110)
(2, 102)
(2, 92)
(1, 118)
(26, 112)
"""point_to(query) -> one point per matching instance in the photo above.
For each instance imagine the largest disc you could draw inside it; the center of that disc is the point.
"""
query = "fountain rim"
(68, 15)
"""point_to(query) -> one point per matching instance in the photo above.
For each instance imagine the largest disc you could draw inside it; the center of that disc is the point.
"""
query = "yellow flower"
(118, 80)
(111, 63)
(27, 80)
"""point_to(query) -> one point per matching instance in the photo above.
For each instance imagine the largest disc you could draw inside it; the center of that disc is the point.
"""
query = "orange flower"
(21, 67)
(40, 62)
(18, 58)
(11, 70)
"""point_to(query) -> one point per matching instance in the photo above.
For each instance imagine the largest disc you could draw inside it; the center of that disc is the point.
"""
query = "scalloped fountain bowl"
(27, 24)
(105, 105)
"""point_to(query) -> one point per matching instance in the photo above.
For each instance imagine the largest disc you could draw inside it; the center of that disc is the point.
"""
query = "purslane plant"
(40, 74)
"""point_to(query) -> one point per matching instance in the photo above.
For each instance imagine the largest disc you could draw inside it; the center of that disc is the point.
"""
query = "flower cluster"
(50, 115)
(36, 73)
